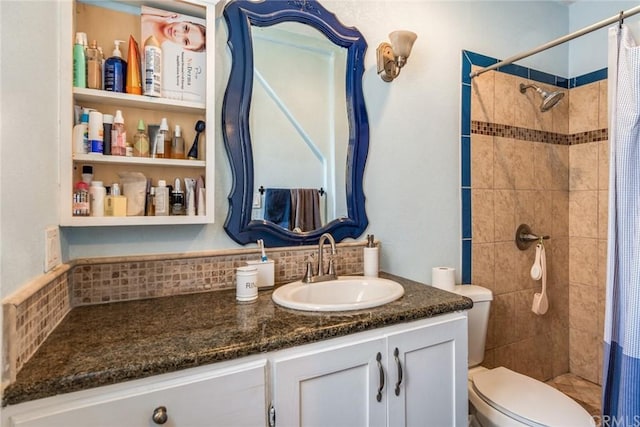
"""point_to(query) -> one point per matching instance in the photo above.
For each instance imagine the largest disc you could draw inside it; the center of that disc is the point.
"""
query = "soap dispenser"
(371, 257)
(115, 70)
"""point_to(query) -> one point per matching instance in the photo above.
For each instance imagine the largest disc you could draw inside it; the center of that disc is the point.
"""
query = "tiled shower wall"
(548, 170)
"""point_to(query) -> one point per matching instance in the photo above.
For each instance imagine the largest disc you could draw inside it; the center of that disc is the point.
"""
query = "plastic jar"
(97, 193)
(246, 283)
(81, 205)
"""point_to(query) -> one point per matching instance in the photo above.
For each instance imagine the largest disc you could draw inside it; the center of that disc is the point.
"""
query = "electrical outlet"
(52, 257)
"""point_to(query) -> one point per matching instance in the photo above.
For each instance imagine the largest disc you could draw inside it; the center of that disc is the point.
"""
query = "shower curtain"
(621, 370)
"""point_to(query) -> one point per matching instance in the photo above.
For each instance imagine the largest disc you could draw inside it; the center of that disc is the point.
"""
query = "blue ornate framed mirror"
(275, 115)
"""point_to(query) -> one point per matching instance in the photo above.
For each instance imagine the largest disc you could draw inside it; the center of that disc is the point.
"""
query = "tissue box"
(266, 273)
(182, 41)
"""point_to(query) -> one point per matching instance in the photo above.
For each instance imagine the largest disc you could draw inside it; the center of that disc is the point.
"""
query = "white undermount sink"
(345, 293)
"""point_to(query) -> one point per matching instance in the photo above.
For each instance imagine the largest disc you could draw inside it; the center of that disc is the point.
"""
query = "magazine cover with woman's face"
(182, 39)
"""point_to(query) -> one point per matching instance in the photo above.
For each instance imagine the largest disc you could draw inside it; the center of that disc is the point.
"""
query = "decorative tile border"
(470, 59)
(31, 313)
(532, 135)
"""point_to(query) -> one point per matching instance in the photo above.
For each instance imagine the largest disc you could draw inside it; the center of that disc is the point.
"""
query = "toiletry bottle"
(94, 66)
(97, 193)
(371, 257)
(177, 199)
(115, 204)
(87, 174)
(177, 144)
(81, 199)
(118, 136)
(133, 79)
(115, 70)
(162, 199)
(152, 67)
(80, 61)
(107, 124)
(163, 141)
(96, 130)
(81, 134)
(150, 207)
(141, 141)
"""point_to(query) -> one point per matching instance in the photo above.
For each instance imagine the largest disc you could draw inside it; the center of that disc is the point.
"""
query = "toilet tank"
(478, 319)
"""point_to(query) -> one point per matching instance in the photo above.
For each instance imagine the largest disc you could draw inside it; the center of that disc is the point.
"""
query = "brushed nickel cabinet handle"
(381, 370)
(399, 365)
(160, 415)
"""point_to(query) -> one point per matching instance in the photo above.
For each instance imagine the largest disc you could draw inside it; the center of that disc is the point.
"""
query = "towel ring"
(524, 237)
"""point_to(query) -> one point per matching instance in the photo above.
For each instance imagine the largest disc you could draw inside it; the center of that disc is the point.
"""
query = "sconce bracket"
(386, 62)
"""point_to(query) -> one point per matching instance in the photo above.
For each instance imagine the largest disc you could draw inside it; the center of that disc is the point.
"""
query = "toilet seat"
(527, 400)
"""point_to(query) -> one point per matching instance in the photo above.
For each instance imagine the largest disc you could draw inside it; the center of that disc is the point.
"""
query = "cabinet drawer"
(231, 397)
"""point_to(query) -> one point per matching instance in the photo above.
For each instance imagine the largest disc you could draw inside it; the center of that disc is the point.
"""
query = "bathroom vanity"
(203, 359)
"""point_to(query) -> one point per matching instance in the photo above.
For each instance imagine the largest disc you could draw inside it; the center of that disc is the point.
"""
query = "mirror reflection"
(294, 123)
(299, 127)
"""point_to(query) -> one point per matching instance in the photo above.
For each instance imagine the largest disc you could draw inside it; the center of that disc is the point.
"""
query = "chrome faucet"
(330, 272)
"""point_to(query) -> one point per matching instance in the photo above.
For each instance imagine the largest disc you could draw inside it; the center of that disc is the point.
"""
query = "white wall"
(412, 173)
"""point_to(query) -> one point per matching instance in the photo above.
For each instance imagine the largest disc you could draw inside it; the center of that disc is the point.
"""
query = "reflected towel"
(305, 203)
(277, 206)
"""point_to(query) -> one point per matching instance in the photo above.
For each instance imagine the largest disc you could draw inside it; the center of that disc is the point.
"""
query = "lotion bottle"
(115, 70)
(161, 201)
(152, 67)
(94, 66)
(80, 61)
(118, 136)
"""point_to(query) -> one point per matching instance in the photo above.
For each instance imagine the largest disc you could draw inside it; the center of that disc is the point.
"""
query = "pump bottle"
(115, 70)
(118, 136)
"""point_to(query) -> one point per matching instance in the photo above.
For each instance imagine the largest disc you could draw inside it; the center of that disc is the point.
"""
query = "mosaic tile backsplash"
(32, 313)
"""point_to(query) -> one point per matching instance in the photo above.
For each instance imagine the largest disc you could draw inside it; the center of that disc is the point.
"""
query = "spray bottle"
(115, 70)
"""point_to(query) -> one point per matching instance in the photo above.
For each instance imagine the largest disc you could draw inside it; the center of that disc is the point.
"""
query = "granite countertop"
(105, 344)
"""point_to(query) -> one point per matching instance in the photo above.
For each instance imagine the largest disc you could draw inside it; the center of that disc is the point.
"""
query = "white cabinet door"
(334, 386)
(229, 397)
(428, 375)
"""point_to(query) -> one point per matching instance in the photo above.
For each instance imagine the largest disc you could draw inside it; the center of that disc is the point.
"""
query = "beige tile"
(522, 276)
(525, 207)
(528, 324)
(524, 165)
(482, 270)
(560, 214)
(583, 170)
(506, 91)
(584, 354)
(583, 304)
(482, 216)
(481, 161)
(560, 114)
(583, 213)
(502, 320)
(560, 339)
(584, 108)
(543, 223)
(559, 160)
(527, 105)
(557, 250)
(603, 165)
(603, 119)
(583, 261)
(543, 171)
(505, 281)
(504, 163)
(603, 213)
(602, 263)
(482, 95)
(504, 205)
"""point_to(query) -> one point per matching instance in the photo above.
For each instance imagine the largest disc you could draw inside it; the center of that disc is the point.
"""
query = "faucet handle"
(308, 275)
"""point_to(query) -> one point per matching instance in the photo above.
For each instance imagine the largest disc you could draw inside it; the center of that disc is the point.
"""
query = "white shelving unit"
(150, 109)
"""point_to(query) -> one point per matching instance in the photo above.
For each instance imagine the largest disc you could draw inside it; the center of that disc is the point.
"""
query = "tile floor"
(582, 391)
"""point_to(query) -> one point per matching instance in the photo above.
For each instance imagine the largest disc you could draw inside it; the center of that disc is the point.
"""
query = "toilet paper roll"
(443, 278)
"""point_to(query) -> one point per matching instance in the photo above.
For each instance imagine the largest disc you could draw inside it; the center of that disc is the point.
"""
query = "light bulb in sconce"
(392, 57)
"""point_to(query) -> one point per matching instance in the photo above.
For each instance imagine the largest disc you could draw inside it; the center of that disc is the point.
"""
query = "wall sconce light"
(392, 57)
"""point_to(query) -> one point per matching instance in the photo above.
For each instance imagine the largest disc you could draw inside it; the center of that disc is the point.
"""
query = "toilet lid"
(527, 400)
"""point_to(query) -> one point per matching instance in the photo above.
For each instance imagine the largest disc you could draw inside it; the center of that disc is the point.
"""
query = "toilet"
(500, 397)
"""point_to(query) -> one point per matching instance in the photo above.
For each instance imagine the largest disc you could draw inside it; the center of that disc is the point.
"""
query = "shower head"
(549, 100)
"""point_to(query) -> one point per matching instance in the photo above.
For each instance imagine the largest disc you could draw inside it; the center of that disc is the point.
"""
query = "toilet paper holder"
(525, 237)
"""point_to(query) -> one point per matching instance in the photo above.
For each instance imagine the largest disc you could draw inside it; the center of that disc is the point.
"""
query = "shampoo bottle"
(134, 83)
(177, 144)
(94, 66)
(81, 135)
(80, 61)
(96, 130)
(115, 70)
(152, 67)
(118, 136)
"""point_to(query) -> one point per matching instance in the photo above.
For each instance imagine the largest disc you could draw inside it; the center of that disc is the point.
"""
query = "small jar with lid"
(246, 283)
(81, 199)
(97, 193)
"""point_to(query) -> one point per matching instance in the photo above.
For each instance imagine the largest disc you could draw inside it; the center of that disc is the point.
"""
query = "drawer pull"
(381, 370)
(160, 415)
(396, 353)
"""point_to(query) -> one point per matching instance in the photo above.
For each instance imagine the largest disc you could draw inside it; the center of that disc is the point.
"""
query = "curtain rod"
(618, 18)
